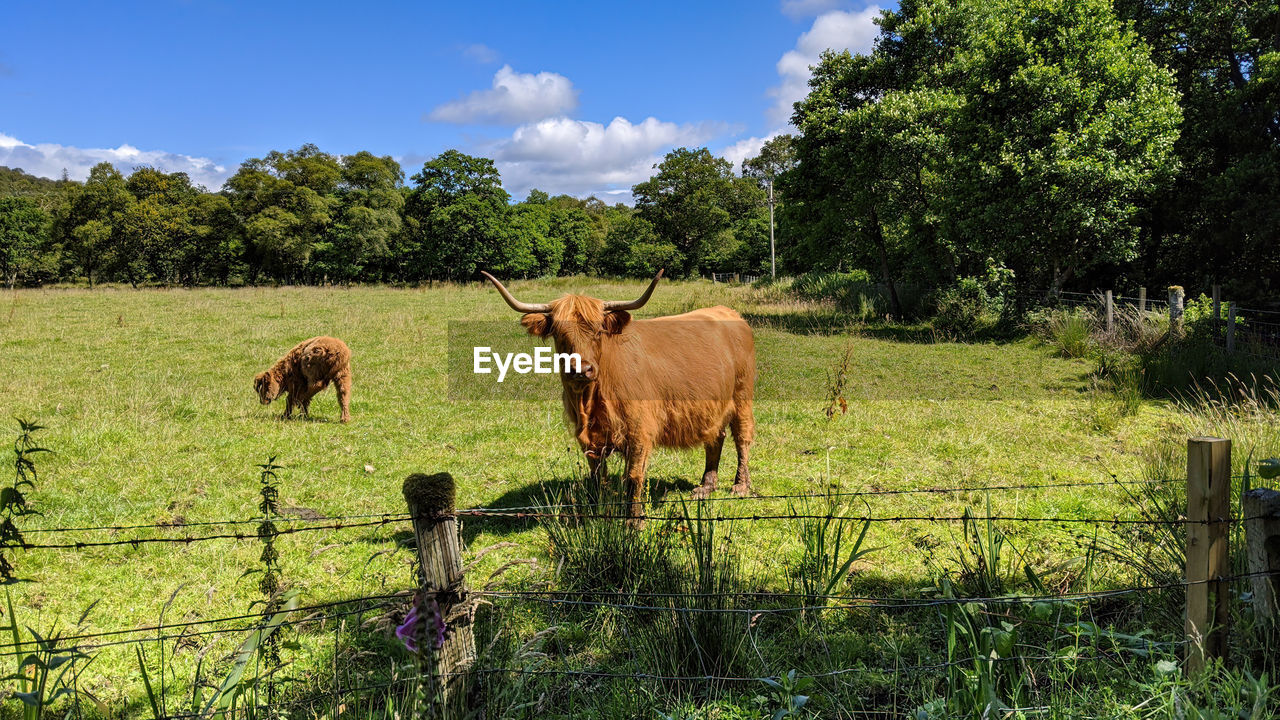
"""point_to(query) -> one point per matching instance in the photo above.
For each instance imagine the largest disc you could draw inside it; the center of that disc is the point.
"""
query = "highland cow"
(679, 381)
(306, 370)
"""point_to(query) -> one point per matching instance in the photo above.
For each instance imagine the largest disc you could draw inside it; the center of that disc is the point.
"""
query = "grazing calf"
(306, 370)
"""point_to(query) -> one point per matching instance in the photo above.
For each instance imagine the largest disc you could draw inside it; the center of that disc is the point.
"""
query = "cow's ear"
(537, 324)
(615, 320)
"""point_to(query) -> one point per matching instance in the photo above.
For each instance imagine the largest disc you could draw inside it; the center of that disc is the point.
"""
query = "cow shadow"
(528, 505)
(803, 323)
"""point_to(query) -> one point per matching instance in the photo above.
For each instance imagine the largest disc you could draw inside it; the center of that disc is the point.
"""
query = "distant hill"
(16, 181)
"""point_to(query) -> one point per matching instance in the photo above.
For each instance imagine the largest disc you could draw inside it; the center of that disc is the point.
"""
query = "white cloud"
(580, 158)
(837, 30)
(49, 160)
(480, 53)
(807, 8)
(746, 148)
(515, 98)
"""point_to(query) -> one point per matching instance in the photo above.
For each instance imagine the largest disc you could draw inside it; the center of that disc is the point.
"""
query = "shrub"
(963, 309)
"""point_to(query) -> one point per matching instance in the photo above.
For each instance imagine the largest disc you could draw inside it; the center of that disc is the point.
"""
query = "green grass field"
(147, 397)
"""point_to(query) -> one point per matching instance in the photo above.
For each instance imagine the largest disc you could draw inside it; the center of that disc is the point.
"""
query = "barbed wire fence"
(752, 608)
(1235, 329)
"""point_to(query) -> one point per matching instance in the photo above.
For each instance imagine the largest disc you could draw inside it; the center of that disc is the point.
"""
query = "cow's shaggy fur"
(306, 370)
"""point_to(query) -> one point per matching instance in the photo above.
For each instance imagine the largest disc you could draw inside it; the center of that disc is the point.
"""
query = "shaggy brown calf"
(306, 370)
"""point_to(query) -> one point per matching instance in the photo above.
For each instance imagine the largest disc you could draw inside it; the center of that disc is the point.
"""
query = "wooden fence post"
(431, 504)
(1142, 299)
(1111, 311)
(1175, 307)
(1261, 509)
(1231, 327)
(1208, 521)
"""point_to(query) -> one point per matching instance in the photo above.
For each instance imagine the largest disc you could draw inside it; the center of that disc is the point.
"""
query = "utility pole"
(773, 259)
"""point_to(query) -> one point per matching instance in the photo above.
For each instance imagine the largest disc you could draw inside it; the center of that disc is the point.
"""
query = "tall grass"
(595, 551)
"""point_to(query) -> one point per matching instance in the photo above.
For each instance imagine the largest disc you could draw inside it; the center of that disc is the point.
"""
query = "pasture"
(148, 402)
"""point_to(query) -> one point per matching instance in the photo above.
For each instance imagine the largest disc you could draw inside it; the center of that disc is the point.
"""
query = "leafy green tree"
(573, 229)
(156, 236)
(633, 248)
(286, 204)
(530, 224)
(24, 231)
(864, 192)
(84, 224)
(455, 218)
(1066, 128)
(1031, 133)
(1220, 222)
(688, 203)
(369, 217)
(220, 240)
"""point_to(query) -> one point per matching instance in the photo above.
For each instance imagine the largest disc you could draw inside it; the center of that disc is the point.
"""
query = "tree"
(530, 225)
(85, 223)
(1220, 222)
(156, 236)
(369, 212)
(688, 203)
(572, 228)
(633, 248)
(1066, 127)
(455, 217)
(1028, 134)
(24, 230)
(286, 204)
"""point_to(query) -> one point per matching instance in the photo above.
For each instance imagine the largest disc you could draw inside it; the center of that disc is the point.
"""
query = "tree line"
(306, 216)
(1016, 146)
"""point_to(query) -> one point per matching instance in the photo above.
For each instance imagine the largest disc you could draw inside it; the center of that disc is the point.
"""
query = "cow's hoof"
(741, 489)
(702, 492)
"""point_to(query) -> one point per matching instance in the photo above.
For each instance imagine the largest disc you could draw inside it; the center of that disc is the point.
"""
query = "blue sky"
(580, 98)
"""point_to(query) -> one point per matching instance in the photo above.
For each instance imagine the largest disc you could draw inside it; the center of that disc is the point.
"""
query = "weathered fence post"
(1208, 520)
(1175, 307)
(1217, 312)
(431, 504)
(1261, 509)
(735, 279)
(1231, 327)
(1111, 311)
(1142, 299)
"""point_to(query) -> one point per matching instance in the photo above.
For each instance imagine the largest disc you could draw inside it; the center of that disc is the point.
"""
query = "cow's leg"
(710, 475)
(288, 405)
(637, 459)
(744, 430)
(342, 384)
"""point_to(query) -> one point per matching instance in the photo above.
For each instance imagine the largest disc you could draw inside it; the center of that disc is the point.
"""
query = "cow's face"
(578, 324)
(267, 387)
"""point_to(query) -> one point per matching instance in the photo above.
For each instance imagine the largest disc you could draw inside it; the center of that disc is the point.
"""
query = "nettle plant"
(13, 503)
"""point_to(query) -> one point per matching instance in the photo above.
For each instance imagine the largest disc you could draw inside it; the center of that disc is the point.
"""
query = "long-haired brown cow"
(676, 381)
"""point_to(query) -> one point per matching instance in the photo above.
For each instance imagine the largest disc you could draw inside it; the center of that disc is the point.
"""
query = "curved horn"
(514, 303)
(638, 302)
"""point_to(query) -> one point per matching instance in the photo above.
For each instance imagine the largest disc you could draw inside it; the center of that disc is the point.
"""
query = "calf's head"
(267, 387)
(576, 324)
